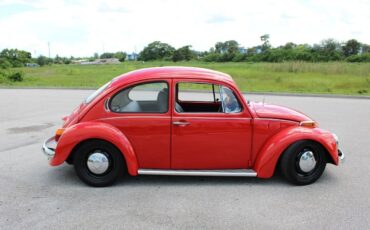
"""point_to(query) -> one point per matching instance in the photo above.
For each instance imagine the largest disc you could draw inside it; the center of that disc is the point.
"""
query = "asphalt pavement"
(34, 195)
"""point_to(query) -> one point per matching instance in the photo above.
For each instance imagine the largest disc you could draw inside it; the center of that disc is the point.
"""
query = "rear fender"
(270, 153)
(75, 134)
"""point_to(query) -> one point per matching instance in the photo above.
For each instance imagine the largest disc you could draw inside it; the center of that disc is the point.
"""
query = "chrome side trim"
(228, 172)
(49, 152)
(275, 119)
(124, 117)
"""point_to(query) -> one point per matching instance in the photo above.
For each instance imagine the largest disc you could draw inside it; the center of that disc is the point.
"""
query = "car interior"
(150, 97)
(207, 99)
(153, 97)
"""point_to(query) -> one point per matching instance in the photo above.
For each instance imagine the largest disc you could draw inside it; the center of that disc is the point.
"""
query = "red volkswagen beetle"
(189, 122)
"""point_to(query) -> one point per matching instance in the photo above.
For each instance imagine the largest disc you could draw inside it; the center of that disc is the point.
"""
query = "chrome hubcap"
(307, 162)
(98, 162)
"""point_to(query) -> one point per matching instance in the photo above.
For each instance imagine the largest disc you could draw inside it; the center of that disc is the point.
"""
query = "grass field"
(291, 77)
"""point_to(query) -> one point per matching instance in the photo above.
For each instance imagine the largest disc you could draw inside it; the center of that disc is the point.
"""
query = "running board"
(227, 172)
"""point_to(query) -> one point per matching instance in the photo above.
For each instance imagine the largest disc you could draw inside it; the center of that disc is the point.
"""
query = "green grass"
(290, 77)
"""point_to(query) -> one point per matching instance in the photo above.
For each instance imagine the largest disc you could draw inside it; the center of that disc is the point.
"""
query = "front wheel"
(303, 162)
(98, 163)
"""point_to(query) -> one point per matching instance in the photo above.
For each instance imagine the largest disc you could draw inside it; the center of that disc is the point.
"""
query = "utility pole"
(135, 58)
(49, 49)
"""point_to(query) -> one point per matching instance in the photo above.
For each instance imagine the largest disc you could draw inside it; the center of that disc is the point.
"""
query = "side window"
(230, 103)
(143, 98)
(201, 92)
(198, 98)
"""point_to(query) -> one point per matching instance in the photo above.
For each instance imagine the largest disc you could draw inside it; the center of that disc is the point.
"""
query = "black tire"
(291, 169)
(115, 163)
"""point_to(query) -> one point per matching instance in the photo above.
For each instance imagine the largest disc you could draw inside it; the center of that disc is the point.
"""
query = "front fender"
(94, 130)
(275, 146)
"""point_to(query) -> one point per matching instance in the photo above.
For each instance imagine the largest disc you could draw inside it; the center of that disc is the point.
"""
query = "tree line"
(18, 58)
(231, 51)
(227, 51)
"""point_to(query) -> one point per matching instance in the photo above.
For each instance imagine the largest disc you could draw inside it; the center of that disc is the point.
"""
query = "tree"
(365, 48)
(17, 58)
(107, 55)
(225, 51)
(42, 60)
(4, 63)
(289, 45)
(121, 56)
(58, 60)
(327, 50)
(219, 47)
(230, 47)
(351, 47)
(183, 53)
(156, 51)
(266, 43)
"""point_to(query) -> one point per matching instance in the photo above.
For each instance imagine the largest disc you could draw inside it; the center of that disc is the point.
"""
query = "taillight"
(58, 134)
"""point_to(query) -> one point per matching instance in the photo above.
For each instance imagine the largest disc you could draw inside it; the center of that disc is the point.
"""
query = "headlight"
(336, 139)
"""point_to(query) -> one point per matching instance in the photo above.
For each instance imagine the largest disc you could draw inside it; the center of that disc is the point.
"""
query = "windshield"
(96, 93)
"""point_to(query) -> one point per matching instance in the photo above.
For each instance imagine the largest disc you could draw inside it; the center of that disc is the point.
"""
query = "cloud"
(219, 19)
(8, 10)
(82, 27)
(105, 8)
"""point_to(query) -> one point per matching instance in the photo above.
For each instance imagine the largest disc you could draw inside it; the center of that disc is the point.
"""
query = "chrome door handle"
(181, 123)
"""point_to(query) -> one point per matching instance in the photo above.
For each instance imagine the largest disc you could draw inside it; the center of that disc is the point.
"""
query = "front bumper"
(48, 151)
(340, 153)
(341, 156)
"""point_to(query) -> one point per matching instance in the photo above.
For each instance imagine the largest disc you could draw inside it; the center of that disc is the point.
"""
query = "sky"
(83, 27)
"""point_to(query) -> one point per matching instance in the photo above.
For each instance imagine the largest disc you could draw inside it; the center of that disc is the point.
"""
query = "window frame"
(177, 99)
(137, 84)
(220, 84)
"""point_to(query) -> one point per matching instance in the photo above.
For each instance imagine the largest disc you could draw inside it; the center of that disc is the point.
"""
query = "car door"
(211, 139)
(141, 112)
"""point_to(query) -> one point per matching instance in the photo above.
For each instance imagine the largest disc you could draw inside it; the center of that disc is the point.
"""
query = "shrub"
(4, 63)
(359, 58)
(15, 76)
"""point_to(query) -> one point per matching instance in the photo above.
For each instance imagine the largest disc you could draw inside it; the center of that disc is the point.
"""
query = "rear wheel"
(98, 163)
(303, 162)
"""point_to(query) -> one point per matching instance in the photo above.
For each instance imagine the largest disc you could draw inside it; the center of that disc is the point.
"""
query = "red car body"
(253, 139)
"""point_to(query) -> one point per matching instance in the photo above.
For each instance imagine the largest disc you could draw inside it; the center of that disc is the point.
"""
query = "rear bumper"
(48, 151)
(341, 156)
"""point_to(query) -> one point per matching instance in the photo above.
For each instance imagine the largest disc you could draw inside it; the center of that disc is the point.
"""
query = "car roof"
(172, 72)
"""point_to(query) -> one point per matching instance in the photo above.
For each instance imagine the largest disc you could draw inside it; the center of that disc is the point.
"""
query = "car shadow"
(149, 180)
(67, 175)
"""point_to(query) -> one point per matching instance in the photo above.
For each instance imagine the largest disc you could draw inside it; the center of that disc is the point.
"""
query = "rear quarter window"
(92, 96)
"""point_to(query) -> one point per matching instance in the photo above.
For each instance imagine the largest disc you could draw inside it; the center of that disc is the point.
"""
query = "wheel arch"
(272, 150)
(70, 157)
(82, 132)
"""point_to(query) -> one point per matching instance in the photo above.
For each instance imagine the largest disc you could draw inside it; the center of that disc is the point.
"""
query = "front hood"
(278, 112)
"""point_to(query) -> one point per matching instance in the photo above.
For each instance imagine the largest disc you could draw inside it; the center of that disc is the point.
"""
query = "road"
(35, 195)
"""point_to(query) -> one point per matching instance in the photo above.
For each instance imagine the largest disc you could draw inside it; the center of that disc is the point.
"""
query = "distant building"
(79, 61)
(132, 57)
(32, 65)
(243, 50)
(107, 61)
(97, 61)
